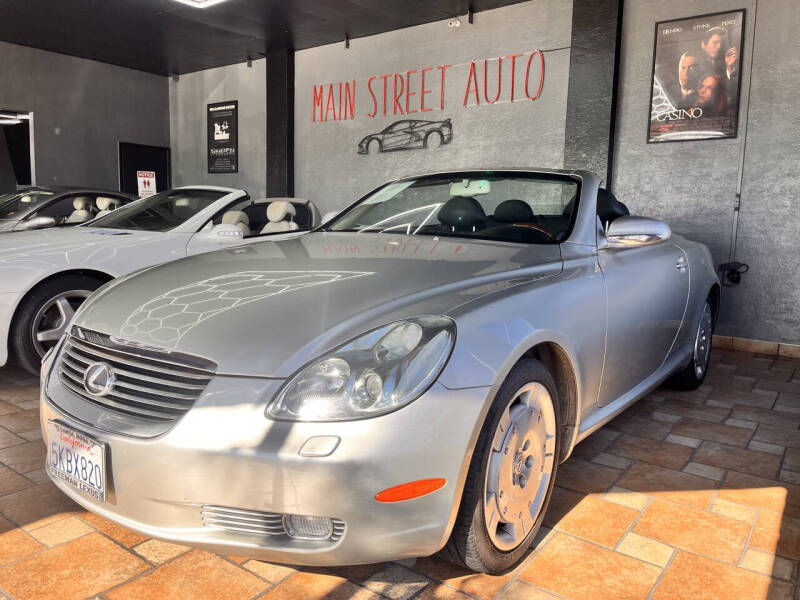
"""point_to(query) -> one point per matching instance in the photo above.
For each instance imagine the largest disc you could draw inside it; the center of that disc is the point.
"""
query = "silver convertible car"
(404, 380)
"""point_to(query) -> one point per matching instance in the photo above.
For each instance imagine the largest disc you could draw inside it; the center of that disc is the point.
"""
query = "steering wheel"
(536, 226)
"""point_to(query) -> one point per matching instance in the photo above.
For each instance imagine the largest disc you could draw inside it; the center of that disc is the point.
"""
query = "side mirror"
(223, 234)
(627, 232)
(36, 223)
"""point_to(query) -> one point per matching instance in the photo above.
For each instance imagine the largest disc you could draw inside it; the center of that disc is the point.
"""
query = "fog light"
(303, 527)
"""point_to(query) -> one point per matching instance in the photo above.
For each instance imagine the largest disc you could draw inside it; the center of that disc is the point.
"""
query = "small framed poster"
(223, 137)
(695, 85)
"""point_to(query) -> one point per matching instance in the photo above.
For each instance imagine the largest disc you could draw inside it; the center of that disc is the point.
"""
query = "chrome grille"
(152, 385)
(240, 520)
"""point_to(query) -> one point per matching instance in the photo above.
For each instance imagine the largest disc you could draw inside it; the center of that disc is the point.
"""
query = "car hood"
(30, 244)
(267, 308)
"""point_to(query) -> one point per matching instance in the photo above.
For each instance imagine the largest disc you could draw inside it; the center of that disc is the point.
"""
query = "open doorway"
(16, 150)
(135, 159)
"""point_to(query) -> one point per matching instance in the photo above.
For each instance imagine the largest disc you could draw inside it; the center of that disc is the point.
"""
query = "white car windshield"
(17, 203)
(535, 208)
(160, 212)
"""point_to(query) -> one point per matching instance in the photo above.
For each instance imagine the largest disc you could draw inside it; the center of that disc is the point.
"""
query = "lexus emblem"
(99, 379)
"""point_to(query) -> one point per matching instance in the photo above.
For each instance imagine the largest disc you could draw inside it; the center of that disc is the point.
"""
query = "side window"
(60, 210)
(237, 207)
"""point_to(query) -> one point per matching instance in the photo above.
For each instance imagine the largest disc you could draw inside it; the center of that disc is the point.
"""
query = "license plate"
(77, 460)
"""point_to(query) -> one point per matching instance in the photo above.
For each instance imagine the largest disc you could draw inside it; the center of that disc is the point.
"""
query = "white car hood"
(49, 242)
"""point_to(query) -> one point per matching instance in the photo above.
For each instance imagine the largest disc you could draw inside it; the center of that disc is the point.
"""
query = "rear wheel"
(692, 376)
(511, 476)
(44, 314)
(434, 140)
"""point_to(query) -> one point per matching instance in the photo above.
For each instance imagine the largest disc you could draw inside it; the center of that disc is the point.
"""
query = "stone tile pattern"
(684, 495)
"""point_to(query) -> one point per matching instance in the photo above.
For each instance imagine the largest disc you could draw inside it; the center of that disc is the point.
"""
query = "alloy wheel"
(51, 320)
(702, 342)
(520, 466)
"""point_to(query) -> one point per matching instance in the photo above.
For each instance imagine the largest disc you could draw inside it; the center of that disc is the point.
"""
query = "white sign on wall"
(146, 182)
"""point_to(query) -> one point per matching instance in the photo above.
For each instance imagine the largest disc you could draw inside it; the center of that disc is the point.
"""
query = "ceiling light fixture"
(10, 121)
(200, 3)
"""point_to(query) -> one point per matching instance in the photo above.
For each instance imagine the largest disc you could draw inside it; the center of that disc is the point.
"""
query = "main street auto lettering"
(514, 78)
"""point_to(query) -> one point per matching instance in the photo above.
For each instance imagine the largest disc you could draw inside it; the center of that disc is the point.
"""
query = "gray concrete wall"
(82, 109)
(693, 185)
(328, 169)
(767, 303)
(188, 98)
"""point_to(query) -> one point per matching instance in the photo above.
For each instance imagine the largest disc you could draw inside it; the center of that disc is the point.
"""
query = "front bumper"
(224, 452)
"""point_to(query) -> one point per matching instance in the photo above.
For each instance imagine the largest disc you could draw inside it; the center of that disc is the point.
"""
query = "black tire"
(690, 377)
(469, 544)
(22, 335)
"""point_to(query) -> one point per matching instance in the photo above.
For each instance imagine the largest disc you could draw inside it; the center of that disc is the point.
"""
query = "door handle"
(682, 264)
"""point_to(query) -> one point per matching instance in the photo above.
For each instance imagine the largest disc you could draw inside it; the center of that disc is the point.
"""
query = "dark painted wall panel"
(81, 109)
(591, 103)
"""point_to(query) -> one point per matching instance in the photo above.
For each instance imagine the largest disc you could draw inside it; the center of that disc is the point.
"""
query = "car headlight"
(374, 374)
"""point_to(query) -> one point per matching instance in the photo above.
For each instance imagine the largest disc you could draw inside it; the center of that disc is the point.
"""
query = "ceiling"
(167, 37)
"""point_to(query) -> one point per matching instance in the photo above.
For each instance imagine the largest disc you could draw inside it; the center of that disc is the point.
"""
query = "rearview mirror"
(36, 223)
(626, 232)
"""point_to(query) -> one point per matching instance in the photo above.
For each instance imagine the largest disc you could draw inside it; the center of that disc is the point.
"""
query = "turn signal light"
(412, 489)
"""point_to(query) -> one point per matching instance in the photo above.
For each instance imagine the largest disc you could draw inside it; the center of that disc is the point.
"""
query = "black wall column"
(280, 123)
(593, 74)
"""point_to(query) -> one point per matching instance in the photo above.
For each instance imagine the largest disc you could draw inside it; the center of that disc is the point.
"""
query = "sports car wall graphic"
(409, 134)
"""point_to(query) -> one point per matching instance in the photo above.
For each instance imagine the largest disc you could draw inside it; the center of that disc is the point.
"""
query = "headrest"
(277, 211)
(81, 203)
(461, 211)
(104, 203)
(608, 207)
(232, 217)
(511, 211)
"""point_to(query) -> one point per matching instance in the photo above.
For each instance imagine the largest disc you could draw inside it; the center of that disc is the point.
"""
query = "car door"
(647, 289)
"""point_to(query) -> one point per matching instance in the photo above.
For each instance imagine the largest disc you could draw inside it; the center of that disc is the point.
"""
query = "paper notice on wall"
(146, 182)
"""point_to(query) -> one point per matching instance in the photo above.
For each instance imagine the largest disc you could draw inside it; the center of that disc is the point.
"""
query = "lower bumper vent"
(253, 522)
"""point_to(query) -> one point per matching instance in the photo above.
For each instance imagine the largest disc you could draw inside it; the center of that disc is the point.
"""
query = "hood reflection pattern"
(168, 317)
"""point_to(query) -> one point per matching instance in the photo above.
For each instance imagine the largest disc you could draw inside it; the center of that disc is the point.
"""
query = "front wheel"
(511, 476)
(43, 316)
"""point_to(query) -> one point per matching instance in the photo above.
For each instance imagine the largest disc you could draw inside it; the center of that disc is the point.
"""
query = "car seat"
(82, 212)
(513, 211)
(276, 214)
(106, 205)
(462, 213)
(238, 218)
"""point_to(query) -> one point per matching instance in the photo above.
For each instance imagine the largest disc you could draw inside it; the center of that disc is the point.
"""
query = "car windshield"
(14, 204)
(160, 212)
(534, 208)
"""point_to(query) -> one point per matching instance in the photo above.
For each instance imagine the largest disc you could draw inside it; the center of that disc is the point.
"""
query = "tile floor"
(684, 496)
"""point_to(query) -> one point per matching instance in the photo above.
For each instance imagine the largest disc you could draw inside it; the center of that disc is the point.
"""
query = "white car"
(45, 275)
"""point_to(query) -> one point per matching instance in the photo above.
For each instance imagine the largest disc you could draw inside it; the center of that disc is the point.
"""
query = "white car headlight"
(374, 374)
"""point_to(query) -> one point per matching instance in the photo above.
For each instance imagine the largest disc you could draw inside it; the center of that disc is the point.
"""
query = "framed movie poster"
(696, 66)
(223, 137)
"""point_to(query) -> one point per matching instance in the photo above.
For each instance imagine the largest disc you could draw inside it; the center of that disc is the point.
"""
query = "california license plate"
(77, 460)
